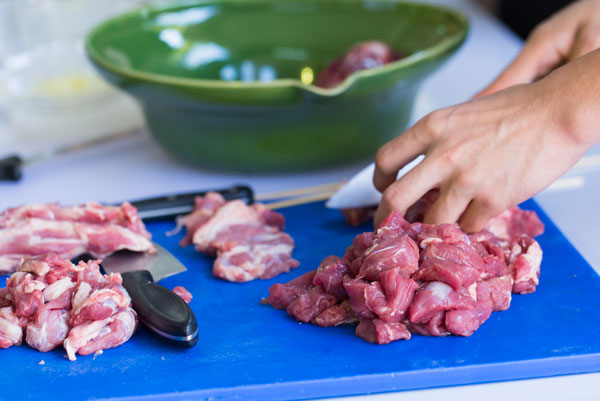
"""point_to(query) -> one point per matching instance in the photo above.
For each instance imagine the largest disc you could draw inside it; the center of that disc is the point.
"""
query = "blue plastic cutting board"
(252, 351)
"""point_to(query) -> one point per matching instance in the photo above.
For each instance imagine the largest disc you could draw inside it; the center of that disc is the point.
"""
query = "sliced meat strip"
(69, 231)
(248, 241)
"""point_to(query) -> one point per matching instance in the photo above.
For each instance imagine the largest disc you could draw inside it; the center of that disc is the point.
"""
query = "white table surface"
(136, 167)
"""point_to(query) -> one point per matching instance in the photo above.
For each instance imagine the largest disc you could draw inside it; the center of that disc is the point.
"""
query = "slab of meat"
(69, 231)
(412, 277)
(52, 302)
(361, 56)
(248, 241)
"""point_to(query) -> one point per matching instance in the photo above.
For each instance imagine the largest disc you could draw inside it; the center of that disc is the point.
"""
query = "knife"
(158, 308)
(11, 166)
(172, 205)
(359, 191)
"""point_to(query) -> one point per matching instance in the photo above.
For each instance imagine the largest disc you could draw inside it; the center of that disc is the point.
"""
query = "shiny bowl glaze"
(229, 84)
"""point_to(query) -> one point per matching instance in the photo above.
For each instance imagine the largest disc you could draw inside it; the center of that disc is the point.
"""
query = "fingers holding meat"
(493, 152)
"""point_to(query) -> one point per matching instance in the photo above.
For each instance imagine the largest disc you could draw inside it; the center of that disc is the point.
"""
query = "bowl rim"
(440, 48)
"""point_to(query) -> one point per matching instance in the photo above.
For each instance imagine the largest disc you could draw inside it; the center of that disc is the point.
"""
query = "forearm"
(572, 94)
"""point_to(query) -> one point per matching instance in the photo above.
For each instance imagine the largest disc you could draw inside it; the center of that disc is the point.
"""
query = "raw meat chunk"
(330, 275)
(248, 241)
(497, 290)
(399, 293)
(57, 302)
(11, 332)
(204, 208)
(379, 332)
(281, 295)
(388, 299)
(514, 222)
(389, 251)
(5, 299)
(48, 330)
(435, 326)
(98, 335)
(360, 293)
(434, 297)
(335, 315)
(309, 305)
(355, 253)
(183, 293)
(234, 213)
(361, 56)
(360, 215)
(458, 265)
(26, 293)
(432, 280)
(69, 231)
(444, 233)
(464, 322)
(247, 252)
(526, 259)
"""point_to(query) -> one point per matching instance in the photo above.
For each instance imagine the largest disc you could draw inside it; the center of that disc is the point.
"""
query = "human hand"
(572, 32)
(493, 152)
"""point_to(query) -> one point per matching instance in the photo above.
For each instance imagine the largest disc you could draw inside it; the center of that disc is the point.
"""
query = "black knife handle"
(172, 205)
(11, 168)
(160, 309)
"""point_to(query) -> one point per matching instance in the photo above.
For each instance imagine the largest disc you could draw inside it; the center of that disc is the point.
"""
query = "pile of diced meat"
(50, 301)
(408, 278)
(361, 56)
(69, 231)
(248, 241)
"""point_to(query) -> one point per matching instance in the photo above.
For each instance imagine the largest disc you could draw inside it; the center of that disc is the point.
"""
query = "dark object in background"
(359, 215)
(522, 16)
(361, 56)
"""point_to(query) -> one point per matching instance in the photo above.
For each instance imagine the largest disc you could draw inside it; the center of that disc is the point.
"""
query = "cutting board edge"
(383, 383)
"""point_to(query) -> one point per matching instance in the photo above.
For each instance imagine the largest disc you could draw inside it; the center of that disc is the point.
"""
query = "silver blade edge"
(161, 264)
(359, 191)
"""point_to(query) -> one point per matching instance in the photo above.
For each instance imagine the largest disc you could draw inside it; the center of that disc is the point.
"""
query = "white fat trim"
(56, 289)
(32, 286)
(439, 290)
(81, 295)
(11, 330)
(473, 291)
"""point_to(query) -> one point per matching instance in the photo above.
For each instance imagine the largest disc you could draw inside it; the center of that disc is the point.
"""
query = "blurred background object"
(230, 85)
(48, 89)
(523, 15)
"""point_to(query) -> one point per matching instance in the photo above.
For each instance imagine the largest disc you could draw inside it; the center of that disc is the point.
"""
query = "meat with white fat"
(248, 241)
(69, 231)
(54, 302)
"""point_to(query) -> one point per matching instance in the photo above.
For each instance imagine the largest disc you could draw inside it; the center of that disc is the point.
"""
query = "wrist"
(572, 97)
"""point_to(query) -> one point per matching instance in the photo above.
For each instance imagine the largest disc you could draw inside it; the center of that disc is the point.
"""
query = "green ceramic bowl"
(227, 84)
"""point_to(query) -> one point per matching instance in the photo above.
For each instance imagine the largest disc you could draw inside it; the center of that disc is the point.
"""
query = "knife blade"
(359, 191)
(158, 308)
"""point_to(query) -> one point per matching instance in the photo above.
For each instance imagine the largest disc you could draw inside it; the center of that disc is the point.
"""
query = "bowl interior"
(265, 40)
